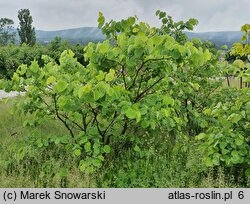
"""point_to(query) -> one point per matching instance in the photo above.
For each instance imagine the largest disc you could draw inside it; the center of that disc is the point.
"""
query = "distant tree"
(56, 47)
(57, 43)
(7, 35)
(246, 30)
(25, 30)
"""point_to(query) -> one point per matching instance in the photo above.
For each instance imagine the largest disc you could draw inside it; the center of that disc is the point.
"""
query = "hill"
(76, 35)
(218, 38)
(86, 34)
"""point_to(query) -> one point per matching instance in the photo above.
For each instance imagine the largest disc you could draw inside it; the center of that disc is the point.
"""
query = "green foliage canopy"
(25, 30)
(7, 35)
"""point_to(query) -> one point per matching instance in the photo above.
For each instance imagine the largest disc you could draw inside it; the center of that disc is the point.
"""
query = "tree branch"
(59, 117)
(142, 65)
(138, 97)
(75, 123)
(96, 121)
(111, 123)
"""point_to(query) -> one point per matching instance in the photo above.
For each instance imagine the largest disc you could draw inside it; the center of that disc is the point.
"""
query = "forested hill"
(86, 34)
(218, 38)
(75, 35)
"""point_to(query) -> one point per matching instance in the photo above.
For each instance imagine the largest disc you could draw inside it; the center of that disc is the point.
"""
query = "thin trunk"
(228, 82)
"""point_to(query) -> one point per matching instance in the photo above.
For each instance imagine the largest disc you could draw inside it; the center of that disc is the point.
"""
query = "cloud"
(213, 15)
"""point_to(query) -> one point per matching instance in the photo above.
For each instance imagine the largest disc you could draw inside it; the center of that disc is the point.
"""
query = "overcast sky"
(213, 15)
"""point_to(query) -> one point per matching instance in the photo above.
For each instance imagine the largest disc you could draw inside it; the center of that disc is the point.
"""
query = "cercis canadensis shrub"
(139, 78)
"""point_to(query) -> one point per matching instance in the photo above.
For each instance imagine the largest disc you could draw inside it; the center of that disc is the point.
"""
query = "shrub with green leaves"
(12, 56)
(138, 79)
(226, 141)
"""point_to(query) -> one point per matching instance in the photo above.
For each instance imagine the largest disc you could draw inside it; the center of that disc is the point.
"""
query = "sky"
(213, 15)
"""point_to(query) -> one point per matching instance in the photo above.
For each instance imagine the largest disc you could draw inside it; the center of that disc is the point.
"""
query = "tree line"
(26, 30)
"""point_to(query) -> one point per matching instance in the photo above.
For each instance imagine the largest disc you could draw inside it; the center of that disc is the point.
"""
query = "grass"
(55, 167)
(42, 170)
(234, 82)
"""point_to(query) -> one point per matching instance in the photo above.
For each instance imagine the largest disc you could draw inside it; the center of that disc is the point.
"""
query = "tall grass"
(234, 82)
(158, 163)
(45, 168)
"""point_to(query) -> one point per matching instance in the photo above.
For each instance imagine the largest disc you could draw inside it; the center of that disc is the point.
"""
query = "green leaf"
(196, 86)
(106, 149)
(193, 21)
(239, 63)
(84, 90)
(83, 166)
(239, 141)
(145, 124)
(137, 148)
(135, 30)
(57, 141)
(60, 86)
(34, 67)
(162, 14)
(98, 94)
(138, 116)
(234, 118)
(131, 20)
(100, 76)
(223, 145)
(101, 20)
(110, 76)
(166, 112)
(224, 47)
(216, 159)
(87, 147)
(224, 151)
(208, 162)
(22, 69)
(97, 163)
(77, 152)
(207, 111)
(111, 92)
(164, 20)
(207, 55)
(26, 123)
(197, 59)
(236, 158)
(201, 136)
(104, 47)
(96, 150)
(51, 80)
(64, 139)
(167, 100)
(40, 144)
(153, 124)
(100, 157)
(177, 120)
(15, 77)
(131, 113)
